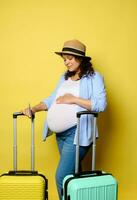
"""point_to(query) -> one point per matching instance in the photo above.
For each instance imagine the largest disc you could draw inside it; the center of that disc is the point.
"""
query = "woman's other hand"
(28, 112)
(39, 107)
(66, 99)
(71, 99)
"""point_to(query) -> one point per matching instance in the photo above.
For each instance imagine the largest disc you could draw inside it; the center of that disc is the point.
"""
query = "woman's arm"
(96, 102)
(46, 103)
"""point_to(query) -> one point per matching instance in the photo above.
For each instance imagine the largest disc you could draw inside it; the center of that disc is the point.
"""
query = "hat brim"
(72, 53)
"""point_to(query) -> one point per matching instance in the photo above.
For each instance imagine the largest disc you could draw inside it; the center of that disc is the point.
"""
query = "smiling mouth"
(70, 67)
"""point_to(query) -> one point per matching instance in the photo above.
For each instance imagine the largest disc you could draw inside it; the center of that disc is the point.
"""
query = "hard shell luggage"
(25, 185)
(91, 185)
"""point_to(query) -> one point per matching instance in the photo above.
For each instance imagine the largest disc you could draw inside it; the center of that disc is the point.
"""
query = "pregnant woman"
(79, 88)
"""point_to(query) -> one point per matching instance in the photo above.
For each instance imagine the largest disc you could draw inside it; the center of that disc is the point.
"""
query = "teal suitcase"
(91, 185)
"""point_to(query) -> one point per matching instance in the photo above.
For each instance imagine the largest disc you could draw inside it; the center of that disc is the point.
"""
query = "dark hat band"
(73, 50)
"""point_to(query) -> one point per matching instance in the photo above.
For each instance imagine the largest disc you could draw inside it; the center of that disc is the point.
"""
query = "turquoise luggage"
(91, 185)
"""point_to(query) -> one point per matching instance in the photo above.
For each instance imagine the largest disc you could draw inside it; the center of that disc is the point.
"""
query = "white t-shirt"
(60, 117)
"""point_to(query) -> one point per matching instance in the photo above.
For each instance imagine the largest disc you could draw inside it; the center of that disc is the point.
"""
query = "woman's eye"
(71, 57)
(68, 59)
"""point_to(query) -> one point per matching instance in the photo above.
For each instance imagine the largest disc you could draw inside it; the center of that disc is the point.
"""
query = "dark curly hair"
(85, 68)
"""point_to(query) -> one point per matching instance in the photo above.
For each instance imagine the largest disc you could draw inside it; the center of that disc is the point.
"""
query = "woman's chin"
(70, 70)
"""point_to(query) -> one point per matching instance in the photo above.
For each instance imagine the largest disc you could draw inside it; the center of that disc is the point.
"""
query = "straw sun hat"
(74, 47)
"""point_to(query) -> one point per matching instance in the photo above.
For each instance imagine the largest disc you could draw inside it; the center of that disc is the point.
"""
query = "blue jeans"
(67, 151)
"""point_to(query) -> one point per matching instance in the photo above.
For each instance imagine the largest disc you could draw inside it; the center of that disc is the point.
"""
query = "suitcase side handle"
(23, 173)
(96, 172)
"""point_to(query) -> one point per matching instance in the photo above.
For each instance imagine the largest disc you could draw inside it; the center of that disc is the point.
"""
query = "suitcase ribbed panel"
(24, 188)
(99, 193)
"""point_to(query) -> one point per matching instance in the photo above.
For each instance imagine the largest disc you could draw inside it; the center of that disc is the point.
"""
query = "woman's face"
(71, 62)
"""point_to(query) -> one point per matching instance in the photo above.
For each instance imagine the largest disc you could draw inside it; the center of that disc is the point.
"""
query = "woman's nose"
(67, 62)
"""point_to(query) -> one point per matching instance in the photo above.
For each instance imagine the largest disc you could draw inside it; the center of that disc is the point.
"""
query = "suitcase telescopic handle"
(95, 115)
(15, 115)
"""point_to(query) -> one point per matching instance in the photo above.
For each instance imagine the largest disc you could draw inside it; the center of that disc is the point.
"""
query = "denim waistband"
(67, 132)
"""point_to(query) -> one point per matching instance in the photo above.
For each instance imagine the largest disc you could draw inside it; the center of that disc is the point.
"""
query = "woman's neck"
(75, 77)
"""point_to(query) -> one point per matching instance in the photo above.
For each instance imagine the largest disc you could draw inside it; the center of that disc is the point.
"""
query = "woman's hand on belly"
(71, 99)
(66, 99)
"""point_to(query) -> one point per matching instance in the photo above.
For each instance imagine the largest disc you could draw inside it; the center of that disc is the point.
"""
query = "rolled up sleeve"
(98, 98)
(48, 101)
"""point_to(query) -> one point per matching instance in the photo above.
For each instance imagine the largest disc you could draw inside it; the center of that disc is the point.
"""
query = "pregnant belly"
(60, 117)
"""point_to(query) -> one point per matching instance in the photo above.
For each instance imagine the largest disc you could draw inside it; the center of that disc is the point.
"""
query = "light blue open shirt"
(91, 87)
